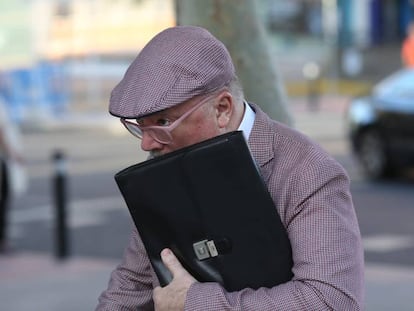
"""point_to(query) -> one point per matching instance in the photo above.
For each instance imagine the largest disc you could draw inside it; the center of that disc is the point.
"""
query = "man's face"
(203, 123)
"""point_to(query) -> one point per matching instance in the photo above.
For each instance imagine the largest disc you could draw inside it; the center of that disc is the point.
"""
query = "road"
(99, 223)
(98, 218)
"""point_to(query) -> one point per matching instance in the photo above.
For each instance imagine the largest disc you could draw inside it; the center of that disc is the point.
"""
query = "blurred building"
(43, 42)
(40, 39)
(350, 22)
(339, 35)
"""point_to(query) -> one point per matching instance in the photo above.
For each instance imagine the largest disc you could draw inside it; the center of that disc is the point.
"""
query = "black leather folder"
(208, 203)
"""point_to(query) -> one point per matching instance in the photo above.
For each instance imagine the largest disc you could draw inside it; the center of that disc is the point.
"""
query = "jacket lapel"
(261, 142)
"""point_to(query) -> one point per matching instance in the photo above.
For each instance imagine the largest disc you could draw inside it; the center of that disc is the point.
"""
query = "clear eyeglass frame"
(161, 134)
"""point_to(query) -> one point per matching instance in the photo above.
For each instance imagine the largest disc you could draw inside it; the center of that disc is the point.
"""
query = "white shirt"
(247, 121)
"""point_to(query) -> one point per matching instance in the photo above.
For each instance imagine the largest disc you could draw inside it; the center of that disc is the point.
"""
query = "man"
(12, 174)
(182, 89)
(407, 49)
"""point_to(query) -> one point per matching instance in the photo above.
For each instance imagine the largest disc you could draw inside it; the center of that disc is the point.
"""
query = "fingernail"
(166, 252)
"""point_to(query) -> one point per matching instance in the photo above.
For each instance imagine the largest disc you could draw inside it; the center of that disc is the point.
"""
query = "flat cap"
(177, 64)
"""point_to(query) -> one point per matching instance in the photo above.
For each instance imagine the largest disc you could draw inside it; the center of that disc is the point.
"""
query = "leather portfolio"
(208, 203)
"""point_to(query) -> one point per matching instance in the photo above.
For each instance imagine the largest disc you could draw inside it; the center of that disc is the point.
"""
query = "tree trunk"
(237, 24)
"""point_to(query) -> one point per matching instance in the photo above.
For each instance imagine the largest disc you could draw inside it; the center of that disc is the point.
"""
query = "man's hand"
(172, 297)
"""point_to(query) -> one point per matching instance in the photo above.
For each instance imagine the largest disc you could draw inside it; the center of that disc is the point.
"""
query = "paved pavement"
(37, 281)
(31, 281)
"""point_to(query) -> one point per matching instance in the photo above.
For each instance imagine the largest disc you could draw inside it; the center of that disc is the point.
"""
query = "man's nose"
(148, 143)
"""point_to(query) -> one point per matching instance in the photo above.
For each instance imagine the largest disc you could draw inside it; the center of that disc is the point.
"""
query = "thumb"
(171, 262)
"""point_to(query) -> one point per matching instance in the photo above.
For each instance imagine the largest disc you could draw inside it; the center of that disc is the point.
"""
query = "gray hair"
(236, 89)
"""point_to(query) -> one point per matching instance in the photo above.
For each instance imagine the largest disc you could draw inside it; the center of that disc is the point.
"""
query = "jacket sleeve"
(131, 283)
(315, 205)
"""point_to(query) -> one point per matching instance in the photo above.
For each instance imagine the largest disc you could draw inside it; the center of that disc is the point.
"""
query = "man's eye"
(163, 122)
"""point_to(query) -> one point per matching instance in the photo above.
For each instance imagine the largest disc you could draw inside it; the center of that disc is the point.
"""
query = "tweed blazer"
(311, 193)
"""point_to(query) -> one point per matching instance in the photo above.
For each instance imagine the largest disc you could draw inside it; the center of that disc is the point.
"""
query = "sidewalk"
(389, 288)
(31, 281)
(38, 282)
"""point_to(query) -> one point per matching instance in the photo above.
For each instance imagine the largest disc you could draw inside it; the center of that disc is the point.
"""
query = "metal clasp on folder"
(205, 249)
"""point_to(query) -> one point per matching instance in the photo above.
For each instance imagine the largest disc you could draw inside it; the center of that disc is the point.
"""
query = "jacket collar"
(261, 138)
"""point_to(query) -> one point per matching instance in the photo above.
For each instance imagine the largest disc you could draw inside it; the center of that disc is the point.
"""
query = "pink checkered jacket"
(311, 193)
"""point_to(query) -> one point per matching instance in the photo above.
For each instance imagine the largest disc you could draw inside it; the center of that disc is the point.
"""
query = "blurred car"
(381, 126)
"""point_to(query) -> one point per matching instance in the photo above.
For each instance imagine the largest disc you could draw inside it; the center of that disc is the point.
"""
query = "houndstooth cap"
(176, 65)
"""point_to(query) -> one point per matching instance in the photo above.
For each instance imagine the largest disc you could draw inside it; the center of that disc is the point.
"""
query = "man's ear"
(224, 109)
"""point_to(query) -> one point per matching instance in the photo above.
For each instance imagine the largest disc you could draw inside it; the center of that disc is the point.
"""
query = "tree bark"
(237, 24)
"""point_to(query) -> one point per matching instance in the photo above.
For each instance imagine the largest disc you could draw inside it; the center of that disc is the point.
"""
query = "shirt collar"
(246, 124)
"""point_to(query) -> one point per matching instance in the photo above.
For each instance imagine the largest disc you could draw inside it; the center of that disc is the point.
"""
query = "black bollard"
(60, 191)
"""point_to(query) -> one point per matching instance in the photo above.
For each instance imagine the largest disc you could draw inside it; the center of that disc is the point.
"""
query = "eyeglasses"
(161, 134)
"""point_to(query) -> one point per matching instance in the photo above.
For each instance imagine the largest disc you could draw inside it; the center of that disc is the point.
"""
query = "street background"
(96, 146)
(98, 221)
